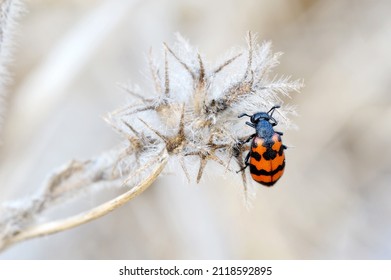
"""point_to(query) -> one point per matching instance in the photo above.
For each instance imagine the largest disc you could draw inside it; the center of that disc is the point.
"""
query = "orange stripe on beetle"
(266, 157)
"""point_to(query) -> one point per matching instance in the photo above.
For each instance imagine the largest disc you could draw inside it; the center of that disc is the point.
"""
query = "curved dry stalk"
(87, 216)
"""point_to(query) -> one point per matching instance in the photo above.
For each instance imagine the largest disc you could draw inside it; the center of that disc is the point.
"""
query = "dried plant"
(191, 118)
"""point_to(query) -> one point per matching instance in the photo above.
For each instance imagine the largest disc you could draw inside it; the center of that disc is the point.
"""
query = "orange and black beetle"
(266, 157)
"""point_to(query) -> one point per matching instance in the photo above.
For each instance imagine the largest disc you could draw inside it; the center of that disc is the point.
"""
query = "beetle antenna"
(244, 114)
(272, 110)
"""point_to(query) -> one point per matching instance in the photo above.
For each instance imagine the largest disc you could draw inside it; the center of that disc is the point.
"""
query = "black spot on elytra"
(281, 151)
(256, 156)
(270, 154)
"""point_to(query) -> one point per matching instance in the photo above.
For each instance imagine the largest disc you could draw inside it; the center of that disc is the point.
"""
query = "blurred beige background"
(333, 201)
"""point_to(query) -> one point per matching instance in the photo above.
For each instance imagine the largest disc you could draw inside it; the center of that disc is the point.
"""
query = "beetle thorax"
(264, 129)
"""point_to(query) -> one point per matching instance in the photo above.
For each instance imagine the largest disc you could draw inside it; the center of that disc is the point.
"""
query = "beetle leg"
(247, 140)
(274, 122)
(246, 160)
(250, 124)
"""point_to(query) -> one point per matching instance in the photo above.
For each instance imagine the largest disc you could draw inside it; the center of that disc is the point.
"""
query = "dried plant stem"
(85, 217)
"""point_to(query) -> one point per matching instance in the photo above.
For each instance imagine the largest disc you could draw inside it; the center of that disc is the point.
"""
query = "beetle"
(266, 157)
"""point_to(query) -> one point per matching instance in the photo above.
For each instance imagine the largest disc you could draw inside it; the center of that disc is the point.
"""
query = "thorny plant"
(190, 118)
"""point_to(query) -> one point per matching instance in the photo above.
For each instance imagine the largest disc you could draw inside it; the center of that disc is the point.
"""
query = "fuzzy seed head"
(193, 111)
